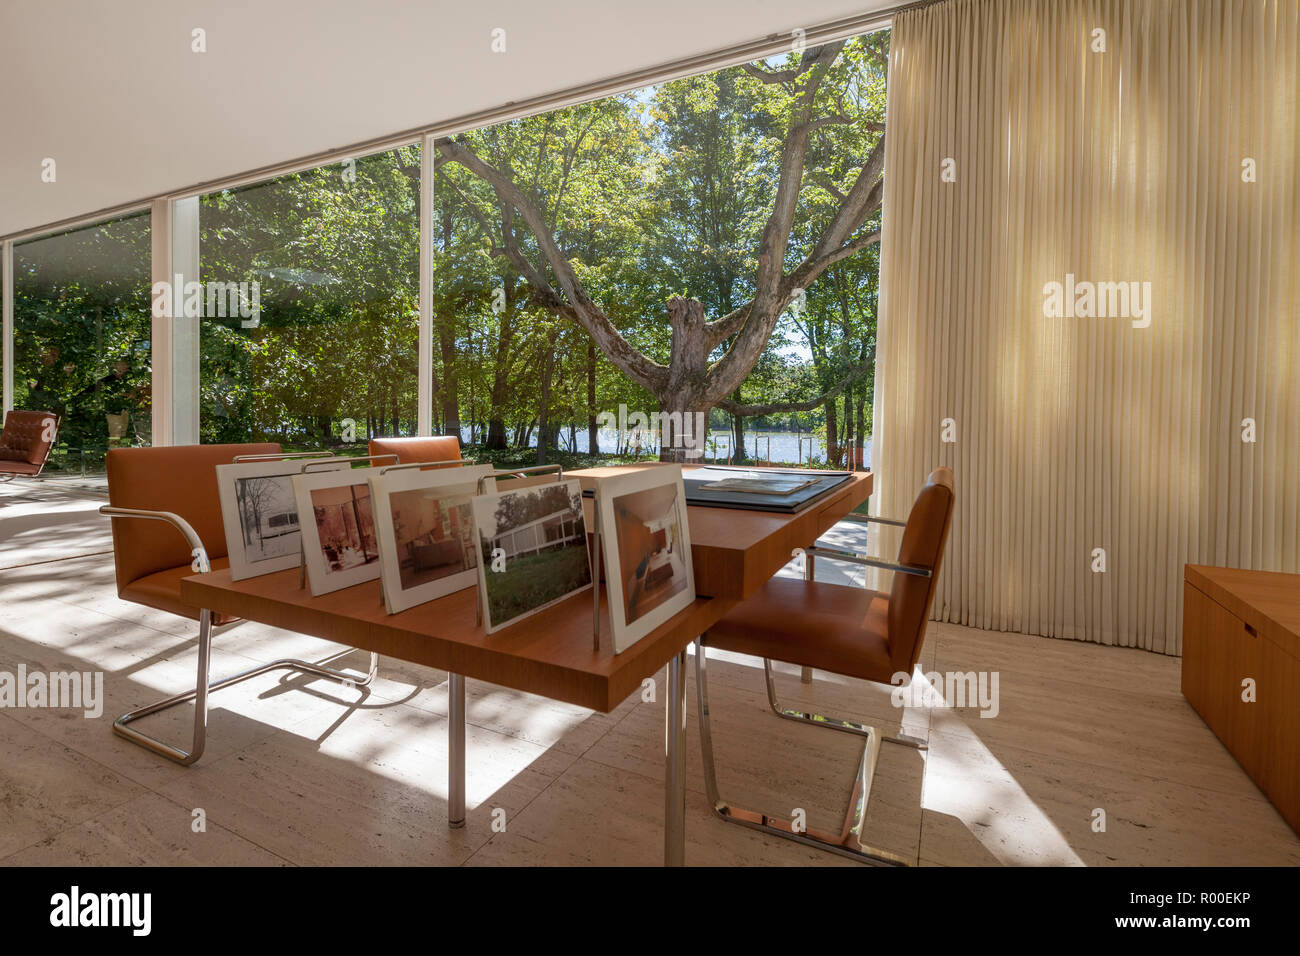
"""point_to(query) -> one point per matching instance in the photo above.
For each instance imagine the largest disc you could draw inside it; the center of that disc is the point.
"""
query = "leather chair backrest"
(924, 539)
(25, 436)
(411, 450)
(181, 479)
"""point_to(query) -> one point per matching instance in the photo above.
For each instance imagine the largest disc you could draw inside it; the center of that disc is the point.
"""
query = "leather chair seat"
(811, 623)
(162, 590)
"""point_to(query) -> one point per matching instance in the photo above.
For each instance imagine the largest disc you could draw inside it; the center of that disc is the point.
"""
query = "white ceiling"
(112, 92)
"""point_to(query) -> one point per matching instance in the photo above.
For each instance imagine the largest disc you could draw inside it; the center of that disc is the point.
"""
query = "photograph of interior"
(986, 311)
(649, 548)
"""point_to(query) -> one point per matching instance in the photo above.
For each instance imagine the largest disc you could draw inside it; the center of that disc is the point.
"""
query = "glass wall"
(82, 326)
(311, 299)
(551, 313)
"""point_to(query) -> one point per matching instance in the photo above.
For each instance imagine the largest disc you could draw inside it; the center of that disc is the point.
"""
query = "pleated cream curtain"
(1169, 157)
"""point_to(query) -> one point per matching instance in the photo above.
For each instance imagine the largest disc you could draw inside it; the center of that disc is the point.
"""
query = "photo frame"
(532, 545)
(646, 544)
(425, 527)
(259, 513)
(336, 514)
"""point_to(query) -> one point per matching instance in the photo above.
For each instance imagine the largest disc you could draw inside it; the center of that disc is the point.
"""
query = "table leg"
(675, 763)
(456, 750)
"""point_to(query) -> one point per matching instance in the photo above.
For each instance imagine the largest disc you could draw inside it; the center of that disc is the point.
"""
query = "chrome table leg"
(456, 751)
(675, 763)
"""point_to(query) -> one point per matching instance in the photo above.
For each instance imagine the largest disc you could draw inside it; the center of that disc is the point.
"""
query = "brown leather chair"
(410, 450)
(167, 525)
(872, 635)
(25, 443)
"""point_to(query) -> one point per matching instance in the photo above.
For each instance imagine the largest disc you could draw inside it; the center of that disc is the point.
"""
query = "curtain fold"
(1152, 421)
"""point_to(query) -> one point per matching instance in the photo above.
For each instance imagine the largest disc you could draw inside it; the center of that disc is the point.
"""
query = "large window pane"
(707, 245)
(334, 253)
(82, 325)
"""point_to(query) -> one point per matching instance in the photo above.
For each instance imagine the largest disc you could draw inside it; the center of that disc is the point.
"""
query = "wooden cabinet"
(1241, 627)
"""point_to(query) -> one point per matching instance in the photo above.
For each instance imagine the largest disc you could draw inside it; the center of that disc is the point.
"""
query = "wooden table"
(550, 653)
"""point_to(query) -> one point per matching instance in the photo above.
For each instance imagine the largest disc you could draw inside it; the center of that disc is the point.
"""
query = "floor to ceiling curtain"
(1090, 302)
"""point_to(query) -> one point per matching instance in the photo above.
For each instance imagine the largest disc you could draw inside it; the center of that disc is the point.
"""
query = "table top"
(551, 652)
(735, 551)
(1267, 600)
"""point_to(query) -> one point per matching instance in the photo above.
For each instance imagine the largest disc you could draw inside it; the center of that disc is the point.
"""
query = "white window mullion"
(7, 326)
(424, 388)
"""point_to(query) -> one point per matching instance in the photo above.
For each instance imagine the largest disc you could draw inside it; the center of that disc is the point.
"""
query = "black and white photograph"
(260, 515)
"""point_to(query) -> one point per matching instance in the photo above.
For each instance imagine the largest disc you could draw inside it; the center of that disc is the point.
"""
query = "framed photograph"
(260, 515)
(338, 528)
(426, 532)
(647, 549)
(532, 545)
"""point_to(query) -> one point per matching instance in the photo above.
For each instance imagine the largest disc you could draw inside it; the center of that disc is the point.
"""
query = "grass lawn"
(529, 582)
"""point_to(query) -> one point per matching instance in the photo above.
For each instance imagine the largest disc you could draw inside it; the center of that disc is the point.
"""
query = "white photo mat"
(572, 528)
(355, 558)
(637, 508)
(435, 485)
(259, 513)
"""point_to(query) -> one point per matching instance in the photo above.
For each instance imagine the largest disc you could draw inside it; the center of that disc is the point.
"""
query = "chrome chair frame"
(203, 685)
(849, 841)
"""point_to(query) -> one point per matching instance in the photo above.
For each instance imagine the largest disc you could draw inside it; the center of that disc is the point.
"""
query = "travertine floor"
(307, 772)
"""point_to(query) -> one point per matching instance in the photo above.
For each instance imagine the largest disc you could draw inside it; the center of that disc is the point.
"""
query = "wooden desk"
(1238, 625)
(549, 653)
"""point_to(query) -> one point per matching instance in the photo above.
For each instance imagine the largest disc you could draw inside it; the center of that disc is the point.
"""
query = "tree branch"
(781, 408)
(575, 304)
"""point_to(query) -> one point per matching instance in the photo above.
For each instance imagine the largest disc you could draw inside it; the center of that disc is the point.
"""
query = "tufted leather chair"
(25, 442)
(411, 450)
(871, 635)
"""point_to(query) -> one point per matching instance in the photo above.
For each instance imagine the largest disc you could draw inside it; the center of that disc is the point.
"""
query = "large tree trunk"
(832, 434)
(675, 446)
(544, 412)
(450, 384)
(496, 436)
(738, 433)
(849, 429)
(593, 433)
(862, 424)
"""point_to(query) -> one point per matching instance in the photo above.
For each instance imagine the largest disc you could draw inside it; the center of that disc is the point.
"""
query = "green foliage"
(660, 192)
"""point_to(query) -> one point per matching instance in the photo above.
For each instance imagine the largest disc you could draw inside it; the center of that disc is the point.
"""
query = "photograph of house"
(533, 544)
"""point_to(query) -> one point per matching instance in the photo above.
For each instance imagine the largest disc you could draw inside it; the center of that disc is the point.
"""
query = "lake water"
(777, 447)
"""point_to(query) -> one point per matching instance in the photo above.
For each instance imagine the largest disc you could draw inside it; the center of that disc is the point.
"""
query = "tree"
(815, 92)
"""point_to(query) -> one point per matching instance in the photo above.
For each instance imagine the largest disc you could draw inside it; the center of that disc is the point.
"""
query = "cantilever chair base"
(203, 687)
(849, 841)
